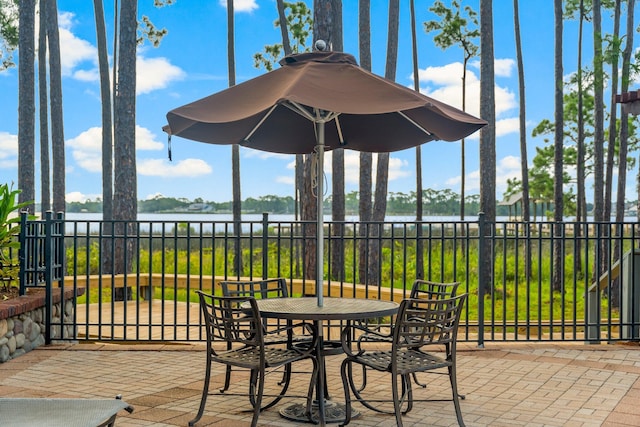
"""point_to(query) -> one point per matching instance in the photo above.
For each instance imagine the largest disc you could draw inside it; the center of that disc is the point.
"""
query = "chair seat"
(250, 357)
(282, 338)
(408, 361)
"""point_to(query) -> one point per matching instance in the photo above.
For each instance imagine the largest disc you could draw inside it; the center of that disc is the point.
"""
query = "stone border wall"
(22, 322)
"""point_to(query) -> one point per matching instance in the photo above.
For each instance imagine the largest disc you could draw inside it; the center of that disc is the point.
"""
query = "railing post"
(22, 256)
(265, 245)
(48, 274)
(481, 278)
(593, 294)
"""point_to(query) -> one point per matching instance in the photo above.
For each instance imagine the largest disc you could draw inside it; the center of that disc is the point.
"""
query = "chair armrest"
(367, 334)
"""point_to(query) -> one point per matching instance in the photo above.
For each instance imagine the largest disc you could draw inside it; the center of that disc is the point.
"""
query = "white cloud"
(76, 196)
(187, 168)
(445, 84)
(504, 67)
(506, 168)
(86, 148)
(155, 73)
(507, 126)
(73, 51)
(241, 5)
(398, 168)
(8, 150)
(146, 140)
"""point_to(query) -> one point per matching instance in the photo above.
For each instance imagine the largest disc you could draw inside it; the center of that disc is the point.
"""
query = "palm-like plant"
(9, 229)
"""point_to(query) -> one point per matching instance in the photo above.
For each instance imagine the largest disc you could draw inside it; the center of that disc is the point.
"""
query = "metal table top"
(332, 309)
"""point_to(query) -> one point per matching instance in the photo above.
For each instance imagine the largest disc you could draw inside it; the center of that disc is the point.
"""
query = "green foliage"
(8, 32)
(515, 295)
(540, 175)
(299, 24)
(455, 29)
(148, 31)
(162, 204)
(9, 230)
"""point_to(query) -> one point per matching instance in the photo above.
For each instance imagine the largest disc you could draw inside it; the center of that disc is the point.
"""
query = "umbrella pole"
(319, 216)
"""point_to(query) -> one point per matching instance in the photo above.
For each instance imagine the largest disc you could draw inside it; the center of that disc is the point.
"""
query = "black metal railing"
(569, 281)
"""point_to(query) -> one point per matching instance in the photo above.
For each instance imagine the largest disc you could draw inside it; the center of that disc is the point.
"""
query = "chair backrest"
(423, 322)
(433, 290)
(266, 288)
(231, 319)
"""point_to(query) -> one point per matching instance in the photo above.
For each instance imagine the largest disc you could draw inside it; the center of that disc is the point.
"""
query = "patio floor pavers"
(535, 384)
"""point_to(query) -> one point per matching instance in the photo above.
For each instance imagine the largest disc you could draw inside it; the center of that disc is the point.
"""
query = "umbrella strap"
(169, 146)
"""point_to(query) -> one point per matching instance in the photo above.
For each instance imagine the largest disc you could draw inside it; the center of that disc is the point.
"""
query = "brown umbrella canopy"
(279, 111)
(315, 102)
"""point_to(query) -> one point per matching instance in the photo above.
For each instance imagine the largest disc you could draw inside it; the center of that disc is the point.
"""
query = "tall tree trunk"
(235, 149)
(419, 198)
(107, 122)
(487, 136)
(45, 172)
(598, 136)
(524, 162)
(26, 104)
(366, 161)
(125, 204)
(624, 136)
(613, 116)
(57, 120)
(581, 213)
(337, 172)
(558, 193)
(382, 173)
(299, 164)
(107, 136)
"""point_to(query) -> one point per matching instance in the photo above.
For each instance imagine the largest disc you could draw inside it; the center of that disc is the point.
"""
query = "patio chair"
(276, 331)
(421, 325)
(236, 322)
(420, 289)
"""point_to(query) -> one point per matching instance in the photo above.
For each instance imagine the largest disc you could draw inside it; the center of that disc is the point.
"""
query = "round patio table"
(332, 309)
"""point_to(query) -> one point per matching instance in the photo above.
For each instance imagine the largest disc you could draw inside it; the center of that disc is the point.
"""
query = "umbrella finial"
(321, 45)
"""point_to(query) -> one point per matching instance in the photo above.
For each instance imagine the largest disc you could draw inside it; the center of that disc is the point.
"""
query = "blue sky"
(191, 63)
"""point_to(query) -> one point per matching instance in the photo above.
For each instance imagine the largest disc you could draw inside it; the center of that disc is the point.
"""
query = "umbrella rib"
(317, 118)
(413, 122)
(266, 116)
(294, 106)
(339, 129)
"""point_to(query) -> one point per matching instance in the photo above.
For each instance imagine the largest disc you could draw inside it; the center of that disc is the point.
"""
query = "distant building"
(200, 207)
(630, 102)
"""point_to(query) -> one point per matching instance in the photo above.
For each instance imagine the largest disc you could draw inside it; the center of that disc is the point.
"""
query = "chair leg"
(364, 378)
(227, 379)
(205, 391)
(456, 396)
(407, 393)
(312, 388)
(397, 404)
(258, 396)
(284, 383)
(415, 380)
(347, 381)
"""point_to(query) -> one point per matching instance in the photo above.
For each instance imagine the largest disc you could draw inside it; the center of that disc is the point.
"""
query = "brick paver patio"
(540, 384)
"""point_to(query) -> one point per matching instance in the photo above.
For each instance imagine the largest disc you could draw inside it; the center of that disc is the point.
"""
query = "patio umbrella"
(320, 101)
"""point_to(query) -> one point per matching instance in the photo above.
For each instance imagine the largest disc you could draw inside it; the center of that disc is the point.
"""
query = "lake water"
(215, 217)
(206, 222)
